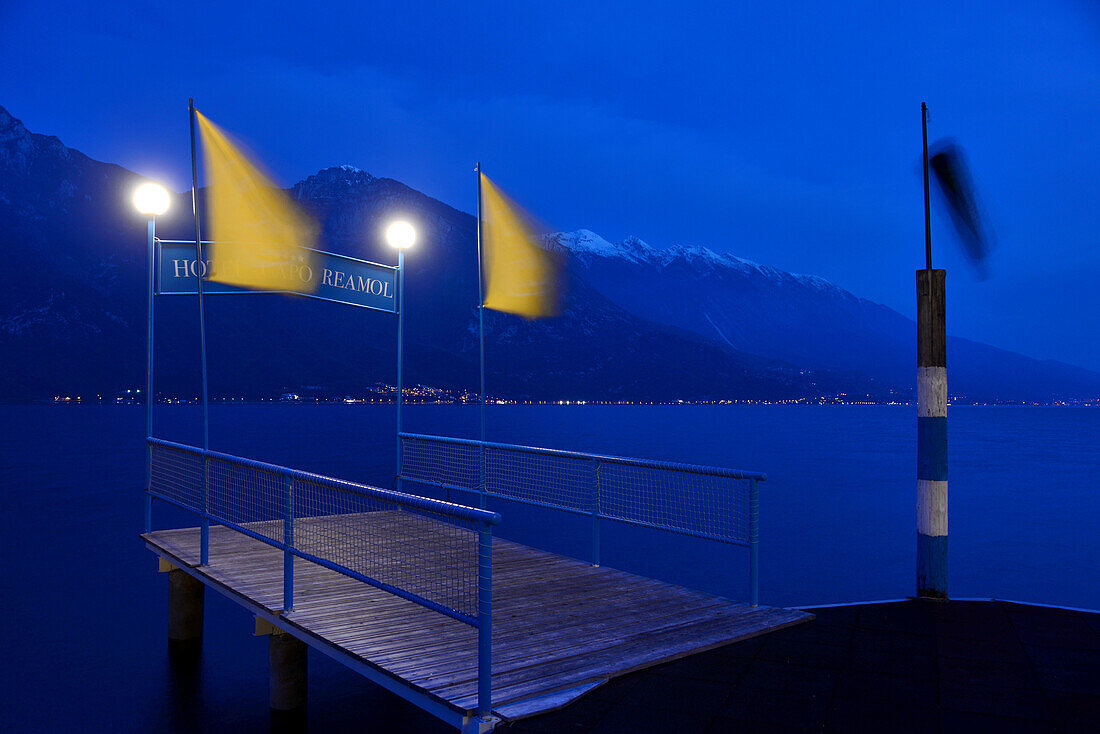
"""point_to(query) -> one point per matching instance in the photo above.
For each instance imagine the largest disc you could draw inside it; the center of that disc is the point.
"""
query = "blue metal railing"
(706, 502)
(290, 509)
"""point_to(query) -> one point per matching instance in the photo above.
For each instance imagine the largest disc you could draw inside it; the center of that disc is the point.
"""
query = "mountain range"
(639, 323)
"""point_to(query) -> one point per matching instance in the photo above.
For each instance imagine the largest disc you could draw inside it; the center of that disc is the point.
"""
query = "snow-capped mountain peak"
(636, 247)
(581, 242)
(586, 244)
(589, 248)
(693, 254)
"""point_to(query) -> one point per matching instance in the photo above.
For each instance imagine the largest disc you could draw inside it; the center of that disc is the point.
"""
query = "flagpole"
(200, 271)
(481, 332)
(200, 267)
(927, 204)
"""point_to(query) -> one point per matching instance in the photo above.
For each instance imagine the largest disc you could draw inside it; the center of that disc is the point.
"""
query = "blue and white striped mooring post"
(931, 412)
(931, 436)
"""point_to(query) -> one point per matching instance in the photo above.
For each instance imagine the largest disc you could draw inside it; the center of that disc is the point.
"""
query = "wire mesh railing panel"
(436, 462)
(419, 551)
(424, 550)
(562, 481)
(698, 500)
(247, 496)
(710, 505)
(177, 476)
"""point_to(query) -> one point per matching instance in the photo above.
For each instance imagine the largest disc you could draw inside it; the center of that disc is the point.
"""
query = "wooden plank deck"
(559, 624)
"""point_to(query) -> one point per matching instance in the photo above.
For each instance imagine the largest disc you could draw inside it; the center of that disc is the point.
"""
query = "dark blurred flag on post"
(258, 233)
(948, 162)
(521, 277)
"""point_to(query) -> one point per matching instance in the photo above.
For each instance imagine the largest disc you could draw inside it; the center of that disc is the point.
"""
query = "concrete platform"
(957, 666)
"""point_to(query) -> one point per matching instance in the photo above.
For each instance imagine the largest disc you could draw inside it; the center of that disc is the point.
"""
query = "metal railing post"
(483, 477)
(596, 512)
(754, 538)
(485, 621)
(149, 492)
(288, 543)
(204, 533)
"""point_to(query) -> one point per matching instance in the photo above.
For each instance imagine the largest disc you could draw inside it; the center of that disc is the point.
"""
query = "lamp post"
(400, 235)
(151, 200)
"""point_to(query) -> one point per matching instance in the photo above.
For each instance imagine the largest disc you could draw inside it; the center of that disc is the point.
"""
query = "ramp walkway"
(417, 595)
(896, 666)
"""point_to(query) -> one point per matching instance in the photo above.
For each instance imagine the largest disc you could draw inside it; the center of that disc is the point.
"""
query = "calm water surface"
(85, 613)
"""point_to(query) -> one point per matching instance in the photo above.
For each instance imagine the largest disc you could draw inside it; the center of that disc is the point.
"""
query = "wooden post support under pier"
(185, 610)
(289, 675)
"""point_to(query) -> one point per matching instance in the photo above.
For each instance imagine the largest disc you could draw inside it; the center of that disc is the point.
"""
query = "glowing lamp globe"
(151, 199)
(400, 235)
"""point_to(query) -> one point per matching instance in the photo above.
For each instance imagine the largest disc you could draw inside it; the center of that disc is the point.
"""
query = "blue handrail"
(710, 471)
(748, 539)
(412, 501)
(483, 519)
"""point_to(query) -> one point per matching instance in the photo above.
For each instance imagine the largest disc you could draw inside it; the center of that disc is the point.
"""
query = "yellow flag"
(258, 232)
(521, 277)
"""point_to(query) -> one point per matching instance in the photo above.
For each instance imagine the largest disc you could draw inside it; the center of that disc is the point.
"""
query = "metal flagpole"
(927, 205)
(200, 272)
(200, 267)
(481, 333)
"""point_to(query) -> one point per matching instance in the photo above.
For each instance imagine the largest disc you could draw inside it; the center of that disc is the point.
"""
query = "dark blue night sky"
(789, 137)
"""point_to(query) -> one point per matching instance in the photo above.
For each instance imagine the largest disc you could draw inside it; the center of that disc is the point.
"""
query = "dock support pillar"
(931, 434)
(289, 678)
(185, 606)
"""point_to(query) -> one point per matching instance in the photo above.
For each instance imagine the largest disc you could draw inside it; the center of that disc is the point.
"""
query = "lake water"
(85, 613)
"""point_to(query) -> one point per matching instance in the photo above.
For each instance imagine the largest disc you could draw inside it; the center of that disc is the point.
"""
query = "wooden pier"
(561, 627)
